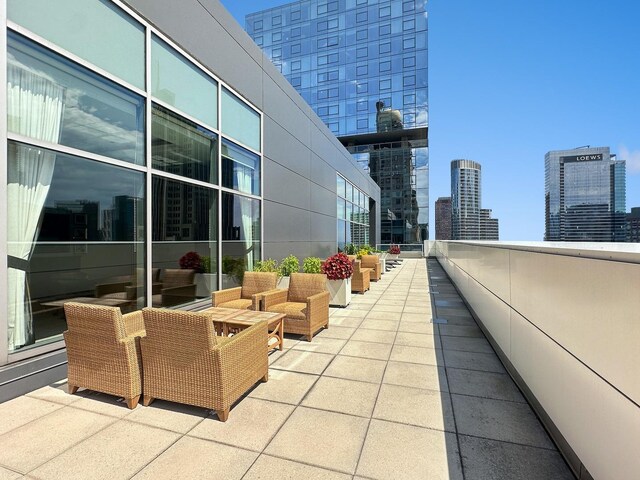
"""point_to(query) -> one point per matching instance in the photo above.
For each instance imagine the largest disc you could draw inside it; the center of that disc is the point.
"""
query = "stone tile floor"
(382, 394)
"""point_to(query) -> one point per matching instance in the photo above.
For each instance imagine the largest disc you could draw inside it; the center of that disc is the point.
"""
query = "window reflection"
(240, 169)
(240, 237)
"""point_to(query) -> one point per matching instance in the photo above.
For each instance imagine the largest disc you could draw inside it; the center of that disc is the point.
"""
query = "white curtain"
(244, 182)
(34, 108)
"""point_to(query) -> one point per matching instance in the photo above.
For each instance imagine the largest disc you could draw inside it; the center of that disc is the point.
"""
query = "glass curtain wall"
(353, 214)
(79, 172)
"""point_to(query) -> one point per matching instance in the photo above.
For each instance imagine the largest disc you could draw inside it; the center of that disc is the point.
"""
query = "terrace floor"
(382, 394)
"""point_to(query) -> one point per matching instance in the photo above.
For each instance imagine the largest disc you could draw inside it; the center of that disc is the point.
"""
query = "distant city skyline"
(509, 84)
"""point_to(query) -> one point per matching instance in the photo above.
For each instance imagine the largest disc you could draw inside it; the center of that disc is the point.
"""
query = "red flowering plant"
(394, 249)
(337, 267)
(191, 261)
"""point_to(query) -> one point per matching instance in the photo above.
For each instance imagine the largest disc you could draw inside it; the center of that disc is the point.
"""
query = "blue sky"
(510, 80)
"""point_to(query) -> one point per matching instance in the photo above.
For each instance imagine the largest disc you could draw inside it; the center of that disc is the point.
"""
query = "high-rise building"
(362, 66)
(489, 229)
(465, 199)
(633, 225)
(585, 196)
(443, 219)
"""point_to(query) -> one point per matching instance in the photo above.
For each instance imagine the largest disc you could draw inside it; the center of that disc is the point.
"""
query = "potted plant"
(312, 265)
(232, 271)
(338, 269)
(191, 261)
(394, 251)
(289, 265)
(206, 280)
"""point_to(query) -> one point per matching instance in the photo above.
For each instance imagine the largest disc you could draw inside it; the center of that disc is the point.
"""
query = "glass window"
(276, 53)
(363, 123)
(362, 87)
(361, 17)
(333, 24)
(94, 30)
(342, 211)
(362, 70)
(322, 9)
(295, 48)
(349, 192)
(409, 43)
(296, 65)
(257, 25)
(361, 52)
(409, 24)
(295, 15)
(259, 41)
(341, 186)
(408, 6)
(296, 81)
(385, 84)
(384, 11)
(362, 105)
(384, 30)
(409, 80)
(276, 20)
(240, 121)
(240, 237)
(341, 233)
(75, 229)
(276, 36)
(385, 66)
(361, 34)
(385, 47)
(295, 32)
(184, 249)
(409, 99)
(176, 81)
(240, 169)
(182, 147)
(56, 101)
(334, 110)
(408, 62)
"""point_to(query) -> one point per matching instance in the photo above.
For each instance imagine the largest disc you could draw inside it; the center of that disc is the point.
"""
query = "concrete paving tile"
(195, 458)
(343, 396)
(354, 348)
(6, 474)
(389, 302)
(321, 345)
(461, 331)
(379, 315)
(301, 361)
(272, 468)
(325, 439)
(414, 406)
(347, 312)
(461, 321)
(483, 459)
(117, 452)
(499, 420)
(336, 331)
(56, 392)
(424, 305)
(365, 307)
(363, 300)
(275, 355)
(388, 308)
(252, 424)
(412, 309)
(284, 386)
(378, 336)
(103, 404)
(499, 386)
(416, 317)
(353, 368)
(22, 410)
(176, 417)
(427, 356)
(349, 322)
(33, 444)
(417, 327)
(417, 340)
(386, 325)
(473, 361)
(406, 452)
(427, 377)
(467, 344)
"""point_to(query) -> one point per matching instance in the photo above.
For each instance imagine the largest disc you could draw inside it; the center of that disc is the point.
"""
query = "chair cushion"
(304, 285)
(242, 304)
(116, 296)
(295, 310)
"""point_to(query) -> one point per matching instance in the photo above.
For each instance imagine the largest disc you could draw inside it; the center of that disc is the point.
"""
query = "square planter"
(340, 291)
(205, 284)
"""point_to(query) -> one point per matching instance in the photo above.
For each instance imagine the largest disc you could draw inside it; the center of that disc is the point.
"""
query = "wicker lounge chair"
(361, 278)
(102, 350)
(249, 295)
(178, 286)
(185, 362)
(372, 262)
(305, 304)
(126, 288)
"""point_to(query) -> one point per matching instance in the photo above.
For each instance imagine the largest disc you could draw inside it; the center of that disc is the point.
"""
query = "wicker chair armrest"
(134, 324)
(226, 295)
(318, 299)
(274, 297)
(107, 288)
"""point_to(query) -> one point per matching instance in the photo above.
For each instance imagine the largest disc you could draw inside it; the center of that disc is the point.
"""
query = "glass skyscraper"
(585, 196)
(465, 199)
(362, 66)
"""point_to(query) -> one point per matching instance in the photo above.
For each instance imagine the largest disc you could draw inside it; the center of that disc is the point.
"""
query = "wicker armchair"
(178, 286)
(360, 281)
(126, 288)
(185, 362)
(103, 351)
(372, 262)
(305, 303)
(254, 284)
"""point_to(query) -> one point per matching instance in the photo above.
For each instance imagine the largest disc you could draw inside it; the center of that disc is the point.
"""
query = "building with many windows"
(489, 227)
(443, 219)
(585, 196)
(362, 66)
(633, 225)
(146, 163)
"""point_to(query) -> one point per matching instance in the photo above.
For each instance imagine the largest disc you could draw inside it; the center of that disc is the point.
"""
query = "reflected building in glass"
(585, 196)
(362, 66)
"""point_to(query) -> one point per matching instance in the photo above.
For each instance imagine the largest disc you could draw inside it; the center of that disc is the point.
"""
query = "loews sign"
(582, 158)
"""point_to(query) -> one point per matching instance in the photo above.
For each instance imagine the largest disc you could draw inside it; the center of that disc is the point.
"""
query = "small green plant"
(289, 265)
(234, 267)
(361, 252)
(268, 265)
(312, 265)
(205, 263)
(368, 248)
(350, 249)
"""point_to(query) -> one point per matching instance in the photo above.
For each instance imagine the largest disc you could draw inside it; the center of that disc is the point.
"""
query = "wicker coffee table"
(228, 323)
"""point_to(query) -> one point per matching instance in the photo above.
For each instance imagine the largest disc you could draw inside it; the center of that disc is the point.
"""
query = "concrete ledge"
(23, 377)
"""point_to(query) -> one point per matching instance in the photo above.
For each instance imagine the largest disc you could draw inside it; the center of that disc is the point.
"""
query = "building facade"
(141, 154)
(489, 227)
(633, 225)
(585, 196)
(443, 219)
(466, 195)
(362, 66)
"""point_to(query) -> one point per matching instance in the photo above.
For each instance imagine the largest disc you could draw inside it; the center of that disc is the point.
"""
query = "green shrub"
(311, 265)
(289, 265)
(234, 267)
(361, 252)
(205, 263)
(350, 249)
(268, 265)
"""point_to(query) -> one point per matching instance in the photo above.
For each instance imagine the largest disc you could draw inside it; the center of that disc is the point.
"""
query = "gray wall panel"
(282, 147)
(286, 187)
(323, 201)
(282, 110)
(322, 173)
(285, 223)
(323, 228)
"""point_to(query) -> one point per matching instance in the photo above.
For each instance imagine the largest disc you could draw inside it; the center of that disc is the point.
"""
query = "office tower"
(362, 66)
(443, 219)
(465, 199)
(585, 196)
(633, 225)
(489, 229)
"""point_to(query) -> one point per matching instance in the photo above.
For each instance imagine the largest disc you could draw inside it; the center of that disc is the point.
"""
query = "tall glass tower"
(362, 66)
(465, 199)
(585, 196)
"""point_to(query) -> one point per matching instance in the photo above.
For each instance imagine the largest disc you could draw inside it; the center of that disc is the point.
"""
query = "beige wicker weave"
(178, 287)
(185, 362)
(249, 295)
(103, 351)
(372, 262)
(305, 303)
(361, 278)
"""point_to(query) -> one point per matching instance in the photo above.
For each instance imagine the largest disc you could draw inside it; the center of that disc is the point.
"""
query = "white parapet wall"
(566, 319)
